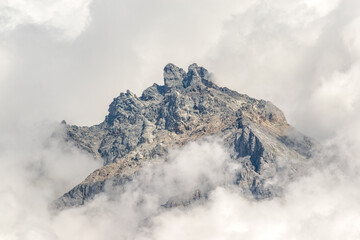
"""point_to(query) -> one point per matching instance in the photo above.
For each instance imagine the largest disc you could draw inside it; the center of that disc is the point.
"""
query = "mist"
(68, 59)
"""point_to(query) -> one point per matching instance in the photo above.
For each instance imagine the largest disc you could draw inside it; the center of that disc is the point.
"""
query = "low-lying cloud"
(36, 168)
(322, 204)
(68, 59)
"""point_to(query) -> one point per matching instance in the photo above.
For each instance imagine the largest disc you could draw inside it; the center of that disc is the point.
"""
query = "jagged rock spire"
(173, 76)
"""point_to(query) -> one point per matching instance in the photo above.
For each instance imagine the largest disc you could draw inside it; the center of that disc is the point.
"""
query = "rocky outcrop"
(186, 108)
(184, 199)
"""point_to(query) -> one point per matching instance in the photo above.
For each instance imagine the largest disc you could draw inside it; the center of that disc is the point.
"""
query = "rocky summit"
(188, 107)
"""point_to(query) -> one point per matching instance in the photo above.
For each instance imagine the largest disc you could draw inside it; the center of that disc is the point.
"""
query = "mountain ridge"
(188, 107)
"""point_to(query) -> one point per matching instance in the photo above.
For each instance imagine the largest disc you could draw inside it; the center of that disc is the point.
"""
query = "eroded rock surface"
(186, 108)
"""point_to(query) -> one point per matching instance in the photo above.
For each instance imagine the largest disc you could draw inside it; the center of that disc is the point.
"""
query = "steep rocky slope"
(189, 106)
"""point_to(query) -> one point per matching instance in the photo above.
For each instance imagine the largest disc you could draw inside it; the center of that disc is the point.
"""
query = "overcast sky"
(67, 59)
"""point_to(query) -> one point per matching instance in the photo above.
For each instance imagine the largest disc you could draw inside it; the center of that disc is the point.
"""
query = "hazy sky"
(67, 59)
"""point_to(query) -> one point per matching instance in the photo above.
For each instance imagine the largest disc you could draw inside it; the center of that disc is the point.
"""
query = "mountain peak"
(177, 78)
(173, 76)
(188, 107)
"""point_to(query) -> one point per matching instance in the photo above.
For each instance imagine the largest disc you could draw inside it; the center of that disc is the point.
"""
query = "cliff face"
(189, 106)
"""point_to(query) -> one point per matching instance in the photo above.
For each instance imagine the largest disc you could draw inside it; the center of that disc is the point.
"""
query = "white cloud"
(337, 94)
(288, 52)
(351, 37)
(324, 204)
(69, 17)
(316, 207)
(36, 168)
(4, 63)
(302, 55)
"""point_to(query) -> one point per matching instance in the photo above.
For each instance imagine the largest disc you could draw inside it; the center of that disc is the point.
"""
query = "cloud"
(116, 214)
(293, 54)
(36, 168)
(122, 213)
(68, 18)
(323, 203)
(68, 59)
(123, 47)
(313, 208)
(282, 51)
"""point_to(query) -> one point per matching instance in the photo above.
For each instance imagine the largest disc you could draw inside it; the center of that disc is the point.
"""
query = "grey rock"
(186, 108)
(184, 199)
(173, 77)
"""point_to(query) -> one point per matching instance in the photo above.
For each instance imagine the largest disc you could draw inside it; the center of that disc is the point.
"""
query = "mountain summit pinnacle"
(173, 73)
(189, 107)
(177, 78)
